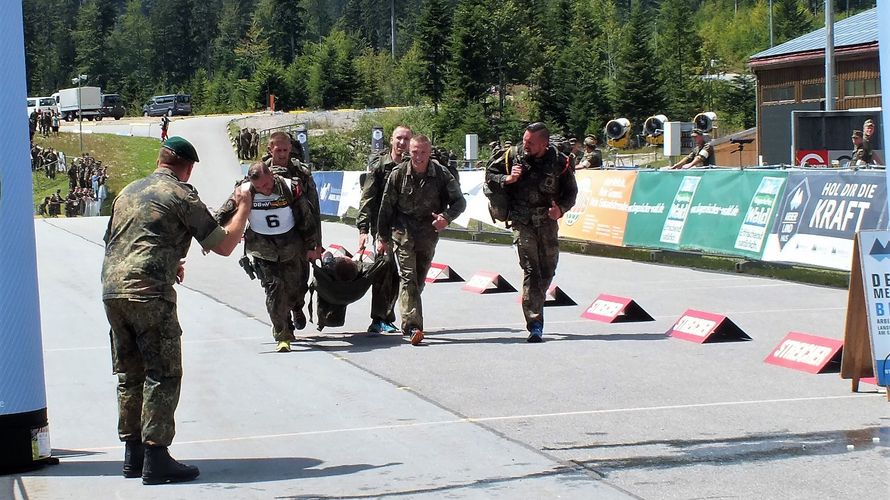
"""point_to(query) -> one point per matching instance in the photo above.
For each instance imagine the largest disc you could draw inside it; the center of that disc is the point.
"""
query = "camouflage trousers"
(283, 283)
(538, 248)
(385, 291)
(414, 254)
(146, 355)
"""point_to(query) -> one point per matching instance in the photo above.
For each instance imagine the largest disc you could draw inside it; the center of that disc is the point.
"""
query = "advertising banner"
(659, 207)
(600, 212)
(732, 211)
(329, 186)
(351, 194)
(821, 212)
(874, 249)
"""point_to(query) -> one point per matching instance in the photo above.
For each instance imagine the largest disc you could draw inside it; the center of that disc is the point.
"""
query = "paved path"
(597, 411)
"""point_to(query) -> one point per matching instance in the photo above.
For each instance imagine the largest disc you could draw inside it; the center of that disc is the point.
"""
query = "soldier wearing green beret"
(152, 222)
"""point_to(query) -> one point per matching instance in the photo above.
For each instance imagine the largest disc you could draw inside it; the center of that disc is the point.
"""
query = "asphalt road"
(597, 411)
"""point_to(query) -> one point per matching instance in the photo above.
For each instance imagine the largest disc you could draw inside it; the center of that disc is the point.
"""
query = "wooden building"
(791, 76)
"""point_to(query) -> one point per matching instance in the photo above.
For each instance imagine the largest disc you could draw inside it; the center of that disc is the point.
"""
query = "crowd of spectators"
(87, 179)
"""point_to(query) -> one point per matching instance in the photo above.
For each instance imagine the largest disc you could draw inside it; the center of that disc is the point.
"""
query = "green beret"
(181, 148)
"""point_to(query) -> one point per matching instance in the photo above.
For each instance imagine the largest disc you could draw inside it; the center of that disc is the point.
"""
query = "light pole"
(78, 79)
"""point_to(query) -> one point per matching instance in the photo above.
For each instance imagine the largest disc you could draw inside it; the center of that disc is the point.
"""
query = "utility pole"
(392, 26)
(829, 56)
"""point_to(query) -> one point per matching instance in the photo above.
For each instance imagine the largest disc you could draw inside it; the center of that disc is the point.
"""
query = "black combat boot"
(133, 457)
(160, 467)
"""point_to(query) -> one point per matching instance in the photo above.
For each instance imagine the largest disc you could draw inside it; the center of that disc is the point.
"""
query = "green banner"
(659, 208)
(732, 211)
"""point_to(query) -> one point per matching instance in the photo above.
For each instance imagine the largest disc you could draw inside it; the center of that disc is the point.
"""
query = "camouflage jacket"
(372, 192)
(543, 181)
(705, 151)
(410, 200)
(862, 154)
(298, 171)
(278, 247)
(153, 221)
(593, 159)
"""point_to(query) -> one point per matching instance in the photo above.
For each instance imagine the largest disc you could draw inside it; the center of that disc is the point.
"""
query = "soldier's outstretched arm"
(235, 228)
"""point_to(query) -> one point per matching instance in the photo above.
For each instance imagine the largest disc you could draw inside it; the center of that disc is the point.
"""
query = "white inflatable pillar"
(24, 433)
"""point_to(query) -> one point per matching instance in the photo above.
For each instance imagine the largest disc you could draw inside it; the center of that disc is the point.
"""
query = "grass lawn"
(127, 159)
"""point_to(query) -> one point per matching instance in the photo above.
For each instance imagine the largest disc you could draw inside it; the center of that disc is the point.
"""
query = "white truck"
(86, 100)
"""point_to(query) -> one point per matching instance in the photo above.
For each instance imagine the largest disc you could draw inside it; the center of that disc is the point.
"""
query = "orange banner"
(600, 213)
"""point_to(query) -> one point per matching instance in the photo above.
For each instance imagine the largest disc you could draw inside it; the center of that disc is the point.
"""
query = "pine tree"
(791, 20)
(284, 25)
(636, 89)
(678, 58)
(89, 40)
(432, 38)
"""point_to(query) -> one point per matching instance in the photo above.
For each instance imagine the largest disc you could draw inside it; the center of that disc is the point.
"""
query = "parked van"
(41, 103)
(170, 105)
(112, 106)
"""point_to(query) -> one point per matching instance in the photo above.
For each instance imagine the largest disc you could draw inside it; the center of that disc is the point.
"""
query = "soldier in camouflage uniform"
(539, 186)
(281, 162)
(385, 290)
(420, 199)
(592, 157)
(152, 223)
(868, 140)
(862, 154)
(281, 227)
(702, 155)
(254, 144)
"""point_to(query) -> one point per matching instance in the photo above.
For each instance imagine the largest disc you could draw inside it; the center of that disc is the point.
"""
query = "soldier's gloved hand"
(243, 196)
(439, 222)
(555, 212)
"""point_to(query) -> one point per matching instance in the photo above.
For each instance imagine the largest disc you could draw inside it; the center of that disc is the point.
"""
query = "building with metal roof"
(791, 77)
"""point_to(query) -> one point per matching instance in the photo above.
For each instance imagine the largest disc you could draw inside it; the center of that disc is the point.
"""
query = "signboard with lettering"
(339, 250)
(487, 282)
(600, 211)
(329, 186)
(732, 211)
(613, 309)
(554, 296)
(808, 353)
(820, 214)
(874, 249)
(440, 273)
(700, 327)
(659, 207)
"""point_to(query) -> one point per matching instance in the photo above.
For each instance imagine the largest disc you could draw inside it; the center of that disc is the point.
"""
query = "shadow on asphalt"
(362, 342)
(214, 470)
(741, 449)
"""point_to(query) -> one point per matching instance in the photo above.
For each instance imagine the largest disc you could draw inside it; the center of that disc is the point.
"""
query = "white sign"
(874, 254)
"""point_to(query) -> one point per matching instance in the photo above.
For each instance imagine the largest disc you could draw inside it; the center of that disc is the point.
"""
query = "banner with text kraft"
(600, 212)
(732, 212)
(820, 214)
(659, 207)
